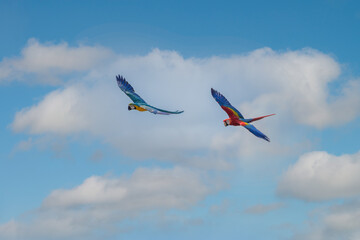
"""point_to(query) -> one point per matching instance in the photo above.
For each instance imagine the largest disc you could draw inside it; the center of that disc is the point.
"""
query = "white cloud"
(48, 60)
(103, 202)
(59, 112)
(145, 189)
(341, 221)
(319, 176)
(293, 84)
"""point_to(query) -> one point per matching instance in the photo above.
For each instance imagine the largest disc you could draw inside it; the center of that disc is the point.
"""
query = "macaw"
(236, 118)
(139, 104)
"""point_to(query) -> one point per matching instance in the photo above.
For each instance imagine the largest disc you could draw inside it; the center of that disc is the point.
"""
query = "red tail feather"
(258, 118)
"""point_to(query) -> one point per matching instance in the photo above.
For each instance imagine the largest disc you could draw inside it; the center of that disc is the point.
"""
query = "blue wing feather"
(155, 110)
(223, 102)
(129, 90)
(256, 132)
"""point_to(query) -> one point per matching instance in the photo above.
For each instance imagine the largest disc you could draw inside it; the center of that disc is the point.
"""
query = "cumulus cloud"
(341, 221)
(145, 189)
(48, 60)
(319, 176)
(103, 202)
(293, 84)
(59, 112)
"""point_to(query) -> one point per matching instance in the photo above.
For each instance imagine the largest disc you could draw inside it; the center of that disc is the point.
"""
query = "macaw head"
(227, 122)
(131, 106)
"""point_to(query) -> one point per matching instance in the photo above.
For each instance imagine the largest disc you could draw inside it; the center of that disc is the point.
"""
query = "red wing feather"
(230, 112)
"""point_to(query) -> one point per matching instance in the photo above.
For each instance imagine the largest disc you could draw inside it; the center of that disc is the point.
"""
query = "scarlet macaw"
(236, 118)
(139, 104)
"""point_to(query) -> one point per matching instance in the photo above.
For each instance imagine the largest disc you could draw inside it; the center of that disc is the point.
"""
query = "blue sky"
(76, 164)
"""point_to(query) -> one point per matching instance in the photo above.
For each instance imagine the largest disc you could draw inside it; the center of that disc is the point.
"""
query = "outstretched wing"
(256, 132)
(155, 110)
(128, 90)
(225, 105)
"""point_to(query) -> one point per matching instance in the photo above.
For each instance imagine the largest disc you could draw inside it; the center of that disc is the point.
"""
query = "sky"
(76, 164)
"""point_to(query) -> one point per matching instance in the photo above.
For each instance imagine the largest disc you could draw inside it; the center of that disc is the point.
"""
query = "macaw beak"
(129, 108)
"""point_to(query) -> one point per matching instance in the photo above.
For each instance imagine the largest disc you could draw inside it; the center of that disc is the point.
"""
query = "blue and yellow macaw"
(139, 104)
(236, 118)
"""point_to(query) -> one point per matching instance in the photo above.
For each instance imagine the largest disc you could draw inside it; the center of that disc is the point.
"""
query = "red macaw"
(236, 118)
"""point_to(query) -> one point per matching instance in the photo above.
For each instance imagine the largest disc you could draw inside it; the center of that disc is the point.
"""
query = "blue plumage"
(129, 90)
(123, 84)
(223, 102)
(256, 132)
(139, 103)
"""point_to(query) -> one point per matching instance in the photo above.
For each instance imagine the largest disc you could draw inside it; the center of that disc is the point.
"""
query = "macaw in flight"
(139, 104)
(236, 118)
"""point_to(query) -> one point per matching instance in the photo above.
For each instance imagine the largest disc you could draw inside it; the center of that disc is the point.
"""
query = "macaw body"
(136, 107)
(236, 118)
(139, 103)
